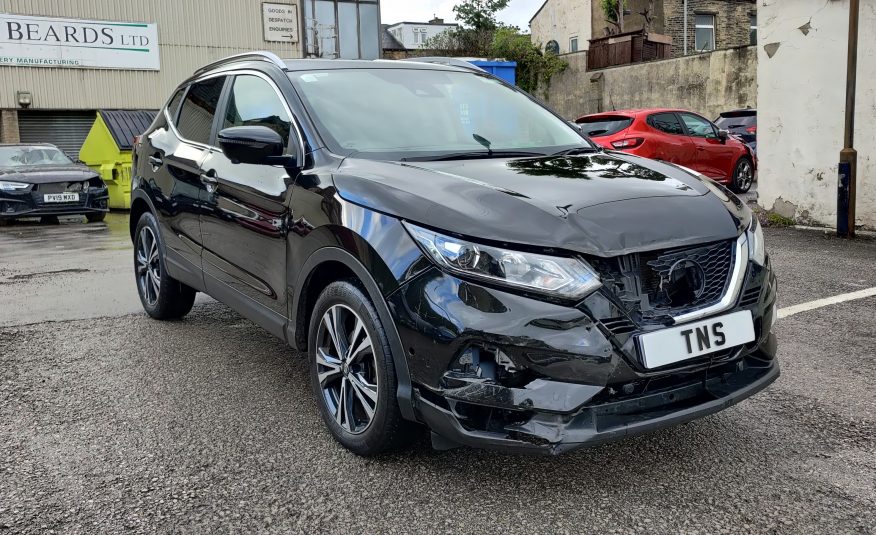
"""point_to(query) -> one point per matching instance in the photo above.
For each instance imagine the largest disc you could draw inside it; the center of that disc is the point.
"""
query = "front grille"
(59, 187)
(644, 284)
(716, 261)
(619, 326)
(750, 297)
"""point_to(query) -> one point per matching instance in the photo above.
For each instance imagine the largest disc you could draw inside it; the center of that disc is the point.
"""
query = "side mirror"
(723, 135)
(257, 145)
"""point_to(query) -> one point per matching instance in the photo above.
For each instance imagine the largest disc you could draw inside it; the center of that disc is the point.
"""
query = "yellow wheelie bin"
(107, 150)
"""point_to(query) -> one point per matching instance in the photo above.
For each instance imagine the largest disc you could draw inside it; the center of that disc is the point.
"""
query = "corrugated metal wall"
(191, 33)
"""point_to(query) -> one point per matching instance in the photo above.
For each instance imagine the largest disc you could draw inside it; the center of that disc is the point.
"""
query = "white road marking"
(818, 303)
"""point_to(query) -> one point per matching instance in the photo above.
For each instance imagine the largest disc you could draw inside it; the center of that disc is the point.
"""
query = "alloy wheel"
(744, 175)
(346, 368)
(148, 265)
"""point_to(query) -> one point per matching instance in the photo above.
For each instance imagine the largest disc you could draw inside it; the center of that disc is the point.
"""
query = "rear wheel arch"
(139, 206)
(331, 264)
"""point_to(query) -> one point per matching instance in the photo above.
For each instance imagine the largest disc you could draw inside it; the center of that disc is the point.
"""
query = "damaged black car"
(449, 253)
(41, 181)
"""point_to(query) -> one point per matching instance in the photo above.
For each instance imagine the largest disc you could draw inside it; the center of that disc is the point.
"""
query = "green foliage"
(533, 66)
(609, 7)
(481, 36)
(479, 14)
(776, 220)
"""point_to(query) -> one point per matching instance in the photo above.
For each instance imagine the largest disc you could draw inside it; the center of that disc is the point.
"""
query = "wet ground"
(112, 422)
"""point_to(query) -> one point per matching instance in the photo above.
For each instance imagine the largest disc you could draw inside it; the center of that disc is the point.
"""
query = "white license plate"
(61, 197)
(691, 340)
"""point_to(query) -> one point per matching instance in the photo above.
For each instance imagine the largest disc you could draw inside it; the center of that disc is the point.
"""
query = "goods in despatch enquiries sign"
(281, 22)
(27, 41)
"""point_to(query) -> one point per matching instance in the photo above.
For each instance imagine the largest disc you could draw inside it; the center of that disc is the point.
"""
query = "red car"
(676, 136)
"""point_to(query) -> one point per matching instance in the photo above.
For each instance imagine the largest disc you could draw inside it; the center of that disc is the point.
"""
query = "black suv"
(449, 252)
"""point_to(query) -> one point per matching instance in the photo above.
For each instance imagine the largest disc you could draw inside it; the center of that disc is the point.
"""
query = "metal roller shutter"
(65, 129)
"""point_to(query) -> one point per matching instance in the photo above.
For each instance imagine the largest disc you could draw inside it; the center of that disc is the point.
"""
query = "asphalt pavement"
(111, 422)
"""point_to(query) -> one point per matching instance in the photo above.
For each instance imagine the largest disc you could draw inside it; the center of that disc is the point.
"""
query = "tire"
(171, 299)
(95, 217)
(743, 175)
(50, 220)
(366, 379)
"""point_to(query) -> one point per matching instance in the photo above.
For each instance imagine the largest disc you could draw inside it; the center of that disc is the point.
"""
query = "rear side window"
(254, 102)
(666, 122)
(198, 109)
(736, 121)
(604, 125)
(173, 105)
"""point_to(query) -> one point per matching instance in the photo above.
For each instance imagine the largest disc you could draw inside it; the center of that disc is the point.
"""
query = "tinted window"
(198, 109)
(666, 122)
(736, 121)
(604, 126)
(173, 105)
(698, 127)
(254, 102)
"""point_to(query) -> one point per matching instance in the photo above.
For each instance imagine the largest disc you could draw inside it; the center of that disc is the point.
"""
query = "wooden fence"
(626, 48)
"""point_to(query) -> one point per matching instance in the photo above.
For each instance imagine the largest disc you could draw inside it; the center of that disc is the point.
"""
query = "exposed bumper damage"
(93, 197)
(502, 371)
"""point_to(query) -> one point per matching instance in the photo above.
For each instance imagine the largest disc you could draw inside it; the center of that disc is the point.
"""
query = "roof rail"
(260, 55)
(452, 62)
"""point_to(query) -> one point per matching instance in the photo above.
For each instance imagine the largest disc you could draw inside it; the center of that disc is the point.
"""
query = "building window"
(705, 33)
(419, 36)
(752, 31)
(573, 44)
(346, 29)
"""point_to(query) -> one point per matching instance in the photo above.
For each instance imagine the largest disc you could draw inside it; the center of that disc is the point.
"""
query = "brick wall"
(732, 22)
(9, 126)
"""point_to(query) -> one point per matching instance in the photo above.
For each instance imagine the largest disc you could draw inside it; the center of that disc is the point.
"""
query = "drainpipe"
(845, 213)
(685, 26)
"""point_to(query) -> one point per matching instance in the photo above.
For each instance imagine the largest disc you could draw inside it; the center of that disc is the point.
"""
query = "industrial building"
(61, 62)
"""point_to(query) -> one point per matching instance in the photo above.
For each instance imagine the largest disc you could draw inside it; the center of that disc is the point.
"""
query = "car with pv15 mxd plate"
(41, 181)
(450, 254)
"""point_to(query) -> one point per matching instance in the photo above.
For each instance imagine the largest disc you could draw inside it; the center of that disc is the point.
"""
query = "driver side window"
(254, 102)
(699, 127)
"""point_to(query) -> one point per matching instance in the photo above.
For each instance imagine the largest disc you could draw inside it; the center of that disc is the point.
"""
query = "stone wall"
(704, 83)
(732, 22)
(632, 22)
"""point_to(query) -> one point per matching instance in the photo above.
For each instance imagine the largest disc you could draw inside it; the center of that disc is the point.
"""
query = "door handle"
(209, 180)
(155, 161)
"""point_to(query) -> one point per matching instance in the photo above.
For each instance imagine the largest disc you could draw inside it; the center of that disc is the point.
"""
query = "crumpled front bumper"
(579, 383)
(29, 204)
(600, 422)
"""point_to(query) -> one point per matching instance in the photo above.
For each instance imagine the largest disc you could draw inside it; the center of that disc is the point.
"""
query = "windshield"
(403, 113)
(27, 156)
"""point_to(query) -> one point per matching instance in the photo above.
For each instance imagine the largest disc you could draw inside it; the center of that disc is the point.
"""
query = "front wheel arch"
(343, 264)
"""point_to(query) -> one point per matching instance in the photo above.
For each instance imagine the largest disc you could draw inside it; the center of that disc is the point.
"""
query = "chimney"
(436, 20)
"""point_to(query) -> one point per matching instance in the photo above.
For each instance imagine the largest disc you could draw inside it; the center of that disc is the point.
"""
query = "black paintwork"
(265, 239)
(44, 179)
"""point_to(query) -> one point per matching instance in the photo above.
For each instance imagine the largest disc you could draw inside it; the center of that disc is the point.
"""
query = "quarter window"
(698, 127)
(254, 102)
(199, 108)
(705, 32)
(666, 122)
(173, 105)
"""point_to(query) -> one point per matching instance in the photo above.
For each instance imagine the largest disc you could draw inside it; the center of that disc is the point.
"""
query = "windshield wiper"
(473, 155)
(577, 150)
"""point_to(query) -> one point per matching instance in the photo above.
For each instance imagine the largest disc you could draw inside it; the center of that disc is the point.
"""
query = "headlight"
(756, 247)
(12, 186)
(568, 278)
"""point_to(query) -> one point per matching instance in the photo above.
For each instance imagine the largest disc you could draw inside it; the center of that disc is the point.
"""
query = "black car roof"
(336, 64)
